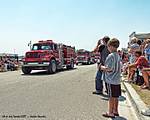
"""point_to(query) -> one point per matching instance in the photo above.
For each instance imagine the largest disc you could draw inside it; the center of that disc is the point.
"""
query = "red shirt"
(142, 62)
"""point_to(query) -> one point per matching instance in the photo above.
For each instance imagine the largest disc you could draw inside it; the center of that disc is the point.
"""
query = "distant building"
(140, 36)
(8, 54)
(11, 56)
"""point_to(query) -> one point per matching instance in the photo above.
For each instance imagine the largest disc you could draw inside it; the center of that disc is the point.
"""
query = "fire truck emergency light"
(49, 40)
(40, 41)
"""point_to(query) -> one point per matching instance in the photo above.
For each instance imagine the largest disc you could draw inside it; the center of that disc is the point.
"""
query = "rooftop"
(140, 35)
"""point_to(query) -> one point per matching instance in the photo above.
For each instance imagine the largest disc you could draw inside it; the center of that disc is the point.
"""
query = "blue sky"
(79, 23)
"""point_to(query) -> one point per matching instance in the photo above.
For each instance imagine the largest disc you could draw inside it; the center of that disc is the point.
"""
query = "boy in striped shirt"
(112, 76)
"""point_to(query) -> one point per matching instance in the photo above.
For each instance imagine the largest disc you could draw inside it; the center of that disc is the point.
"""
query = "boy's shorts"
(114, 90)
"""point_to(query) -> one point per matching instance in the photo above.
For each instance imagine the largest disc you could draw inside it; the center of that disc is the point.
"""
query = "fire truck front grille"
(33, 55)
(80, 58)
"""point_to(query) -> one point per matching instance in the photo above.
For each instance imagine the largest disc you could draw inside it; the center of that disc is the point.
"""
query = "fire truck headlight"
(46, 63)
(44, 59)
(23, 59)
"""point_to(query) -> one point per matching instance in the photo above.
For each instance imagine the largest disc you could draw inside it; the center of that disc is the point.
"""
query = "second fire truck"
(84, 57)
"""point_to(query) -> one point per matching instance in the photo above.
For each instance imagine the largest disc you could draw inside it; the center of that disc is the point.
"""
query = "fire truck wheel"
(52, 67)
(88, 63)
(72, 65)
(26, 70)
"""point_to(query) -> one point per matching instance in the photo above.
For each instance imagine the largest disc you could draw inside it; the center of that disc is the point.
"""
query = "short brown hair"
(139, 42)
(106, 39)
(139, 52)
(114, 42)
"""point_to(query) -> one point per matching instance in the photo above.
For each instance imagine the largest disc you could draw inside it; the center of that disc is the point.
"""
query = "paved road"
(65, 95)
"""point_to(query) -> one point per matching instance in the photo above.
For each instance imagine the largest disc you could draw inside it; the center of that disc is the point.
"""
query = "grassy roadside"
(144, 94)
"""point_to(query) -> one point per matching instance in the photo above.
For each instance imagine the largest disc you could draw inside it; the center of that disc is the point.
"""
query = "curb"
(136, 101)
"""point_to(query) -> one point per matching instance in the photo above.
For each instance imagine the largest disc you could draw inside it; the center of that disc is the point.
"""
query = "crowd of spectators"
(8, 64)
(136, 64)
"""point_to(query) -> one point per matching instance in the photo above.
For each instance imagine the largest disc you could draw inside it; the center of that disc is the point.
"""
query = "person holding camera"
(103, 50)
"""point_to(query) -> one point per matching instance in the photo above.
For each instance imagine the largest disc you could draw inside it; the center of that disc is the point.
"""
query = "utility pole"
(14, 51)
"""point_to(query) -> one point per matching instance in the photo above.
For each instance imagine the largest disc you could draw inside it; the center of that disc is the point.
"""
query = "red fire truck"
(84, 57)
(50, 56)
(97, 56)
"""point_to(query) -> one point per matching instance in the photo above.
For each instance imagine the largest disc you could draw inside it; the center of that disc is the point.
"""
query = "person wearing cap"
(103, 50)
(132, 48)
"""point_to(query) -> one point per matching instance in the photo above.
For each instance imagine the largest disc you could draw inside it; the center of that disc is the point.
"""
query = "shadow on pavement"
(119, 118)
(122, 98)
(84, 65)
(105, 97)
(39, 73)
(122, 90)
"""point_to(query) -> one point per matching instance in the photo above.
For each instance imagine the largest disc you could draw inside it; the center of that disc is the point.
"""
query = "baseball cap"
(134, 46)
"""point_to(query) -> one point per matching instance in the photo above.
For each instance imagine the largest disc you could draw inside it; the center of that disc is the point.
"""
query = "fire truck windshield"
(83, 53)
(42, 47)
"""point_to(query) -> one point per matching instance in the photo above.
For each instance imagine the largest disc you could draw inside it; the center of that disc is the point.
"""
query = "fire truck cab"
(50, 56)
(84, 57)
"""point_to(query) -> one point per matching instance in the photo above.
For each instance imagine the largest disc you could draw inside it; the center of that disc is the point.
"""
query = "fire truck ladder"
(61, 56)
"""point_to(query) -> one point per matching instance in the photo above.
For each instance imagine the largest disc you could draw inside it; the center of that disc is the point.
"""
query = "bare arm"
(132, 65)
(104, 68)
(96, 49)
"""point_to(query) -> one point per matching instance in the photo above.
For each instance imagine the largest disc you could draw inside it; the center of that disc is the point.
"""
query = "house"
(140, 36)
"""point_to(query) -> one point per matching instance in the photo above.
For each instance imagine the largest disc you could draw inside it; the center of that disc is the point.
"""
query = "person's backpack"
(138, 79)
